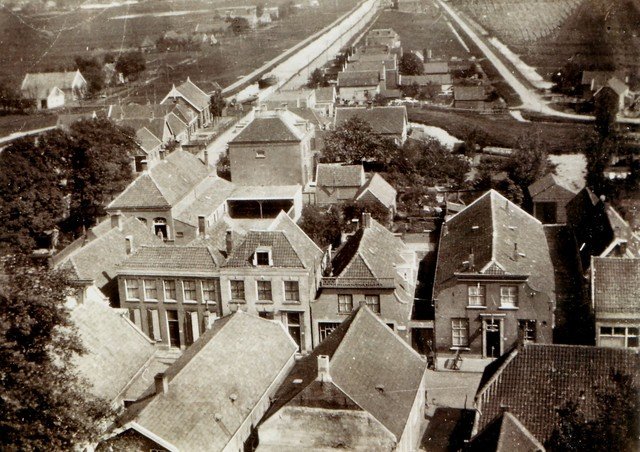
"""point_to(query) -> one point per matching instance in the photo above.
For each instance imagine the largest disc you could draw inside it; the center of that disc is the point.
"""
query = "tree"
(216, 104)
(605, 110)
(410, 64)
(528, 162)
(354, 141)
(45, 405)
(615, 427)
(239, 25)
(92, 71)
(438, 166)
(323, 226)
(317, 79)
(354, 210)
(223, 166)
(259, 9)
(10, 100)
(131, 64)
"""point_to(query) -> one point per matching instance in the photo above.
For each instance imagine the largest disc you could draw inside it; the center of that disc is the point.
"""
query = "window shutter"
(155, 323)
(137, 318)
(195, 332)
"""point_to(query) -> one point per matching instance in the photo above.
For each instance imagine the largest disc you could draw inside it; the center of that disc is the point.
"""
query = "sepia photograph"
(320, 225)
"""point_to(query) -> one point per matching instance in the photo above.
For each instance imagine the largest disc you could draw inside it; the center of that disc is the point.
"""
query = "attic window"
(262, 256)
(260, 154)
(475, 227)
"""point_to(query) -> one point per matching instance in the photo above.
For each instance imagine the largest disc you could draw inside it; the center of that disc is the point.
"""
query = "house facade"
(192, 98)
(275, 274)
(383, 36)
(550, 197)
(336, 183)
(360, 86)
(172, 293)
(495, 283)
(373, 268)
(53, 89)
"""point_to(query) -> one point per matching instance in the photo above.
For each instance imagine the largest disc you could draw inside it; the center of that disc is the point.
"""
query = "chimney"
(162, 383)
(472, 263)
(323, 369)
(366, 220)
(429, 54)
(143, 165)
(201, 226)
(515, 251)
(229, 242)
(128, 244)
(116, 220)
(206, 157)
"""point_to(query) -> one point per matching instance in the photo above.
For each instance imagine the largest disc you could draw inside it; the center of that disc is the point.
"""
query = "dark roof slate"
(616, 285)
(339, 175)
(173, 258)
(383, 120)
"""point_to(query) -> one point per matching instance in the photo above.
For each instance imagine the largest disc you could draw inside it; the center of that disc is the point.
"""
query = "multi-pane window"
(262, 258)
(209, 292)
(291, 291)
(527, 330)
(345, 303)
(325, 329)
(237, 289)
(189, 289)
(476, 295)
(150, 289)
(133, 290)
(509, 296)
(169, 289)
(460, 332)
(373, 302)
(264, 290)
(627, 336)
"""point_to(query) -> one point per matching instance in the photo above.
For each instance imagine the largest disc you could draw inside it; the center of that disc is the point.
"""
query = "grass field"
(504, 131)
(36, 43)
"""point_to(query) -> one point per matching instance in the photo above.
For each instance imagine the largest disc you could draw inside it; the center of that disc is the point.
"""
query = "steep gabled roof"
(160, 259)
(616, 286)
(382, 190)
(42, 83)
(369, 364)
(548, 181)
(244, 354)
(339, 175)
(537, 380)
(383, 120)
(310, 254)
(197, 98)
(176, 124)
(505, 434)
(282, 251)
(208, 198)
(503, 239)
(164, 184)
(279, 126)
(109, 365)
(147, 140)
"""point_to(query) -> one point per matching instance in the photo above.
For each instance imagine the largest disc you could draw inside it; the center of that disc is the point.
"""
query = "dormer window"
(260, 154)
(262, 257)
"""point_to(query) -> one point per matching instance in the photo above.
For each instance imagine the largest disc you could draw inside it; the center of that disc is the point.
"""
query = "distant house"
(275, 274)
(53, 89)
(388, 122)
(470, 97)
(147, 44)
(326, 100)
(494, 283)
(436, 67)
(112, 77)
(534, 381)
(442, 81)
(359, 86)
(619, 88)
(382, 36)
(151, 147)
(166, 122)
(378, 190)
(550, 195)
(615, 294)
(274, 148)
(302, 98)
(171, 292)
(192, 97)
(410, 6)
(375, 268)
(214, 395)
(336, 183)
(248, 12)
(348, 385)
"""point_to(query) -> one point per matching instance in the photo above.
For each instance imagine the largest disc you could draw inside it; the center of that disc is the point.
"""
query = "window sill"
(292, 302)
(508, 308)
(264, 302)
(238, 302)
(133, 300)
(476, 307)
(170, 301)
(462, 349)
(189, 301)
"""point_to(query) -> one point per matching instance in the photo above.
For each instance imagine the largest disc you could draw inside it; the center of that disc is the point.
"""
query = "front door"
(174, 328)
(492, 338)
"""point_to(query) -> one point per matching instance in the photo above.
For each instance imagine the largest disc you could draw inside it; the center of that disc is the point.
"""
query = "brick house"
(360, 86)
(615, 294)
(275, 148)
(336, 183)
(550, 195)
(54, 89)
(214, 395)
(171, 292)
(347, 385)
(373, 267)
(495, 282)
(191, 98)
(274, 273)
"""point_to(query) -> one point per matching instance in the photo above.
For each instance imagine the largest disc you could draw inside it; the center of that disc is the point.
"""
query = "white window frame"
(509, 296)
(244, 292)
(165, 290)
(322, 329)
(285, 291)
(477, 295)
(184, 291)
(345, 311)
(264, 281)
(527, 329)
(373, 302)
(458, 326)
(213, 300)
(126, 288)
(144, 289)
(624, 334)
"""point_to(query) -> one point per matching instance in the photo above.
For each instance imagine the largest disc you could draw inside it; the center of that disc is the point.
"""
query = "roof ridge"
(497, 373)
(523, 430)
(293, 248)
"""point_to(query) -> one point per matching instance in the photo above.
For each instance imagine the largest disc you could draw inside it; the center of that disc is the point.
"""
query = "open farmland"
(548, 33)
(48, 42)
(504, 131)
(430, 30)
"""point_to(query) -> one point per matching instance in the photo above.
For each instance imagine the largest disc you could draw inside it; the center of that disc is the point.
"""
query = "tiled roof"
(184, 113)
(383, 120)
(364, 355)
(622, 231)
(147, 140)
(116, 351)
(383, 32)
(548, 181)
(208, 198)
(282, 251)
(423, 80)
(617, 85)
(469, 93)
(290, 95)
(536, 380)
(198, 259)
(382, 190)
(138, 111)
(98, 258)
(306, 249)
(164, 184)
(505, 434)
(359, 66)
(240, 356)
(312, 116)
(616, 286)
(436, 67)
(491, 228)
(358, 78)
(176, 125)
(279, 127)
(155, 126)
(339, 175)
(194, 95)
(327, 94)
(42, 83)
